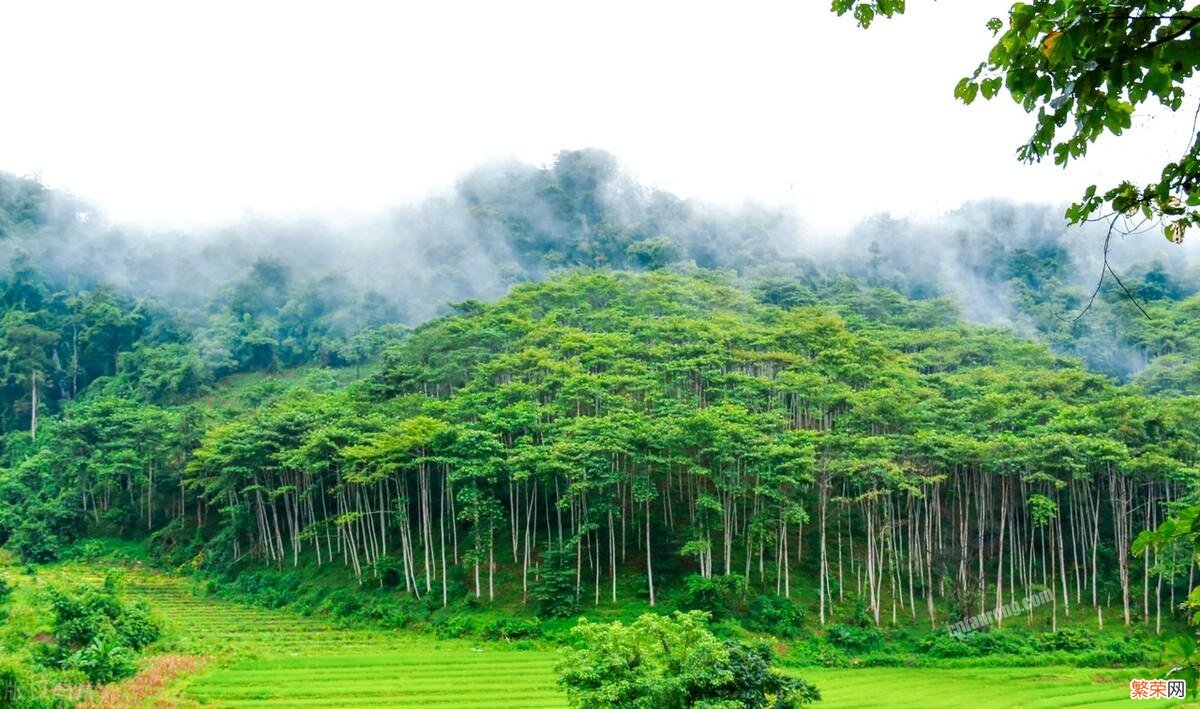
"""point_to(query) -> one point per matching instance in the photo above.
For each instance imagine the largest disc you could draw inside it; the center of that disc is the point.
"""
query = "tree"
(672, 662)
(1089, 65)
(555, 589)
(25, 353)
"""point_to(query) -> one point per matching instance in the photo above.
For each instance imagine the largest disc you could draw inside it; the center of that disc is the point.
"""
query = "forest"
(651, 404)
(610, 424)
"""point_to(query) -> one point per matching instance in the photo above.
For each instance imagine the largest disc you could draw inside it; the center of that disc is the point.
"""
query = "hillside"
(835, 451)
(604, 443)
(923, 466)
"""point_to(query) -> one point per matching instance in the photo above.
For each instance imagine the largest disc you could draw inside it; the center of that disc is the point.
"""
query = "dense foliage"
(62, 640)
(787, 443)
(98, 634)
(627, 431)
(673, 662)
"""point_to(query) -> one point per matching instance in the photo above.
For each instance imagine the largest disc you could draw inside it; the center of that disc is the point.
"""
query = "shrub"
(1123, 652)
(852, 637)
(776, 615)
(815, 651)
(1069, 639)
(341, 603)
(135, 626)
(455, 626)
(718, 595)
(105, 659)
(1000, 642)
(268, 589)
(672, 661)
(34, 543)
(392, 612)
(944, 645)
(512, 629)
(95, 633)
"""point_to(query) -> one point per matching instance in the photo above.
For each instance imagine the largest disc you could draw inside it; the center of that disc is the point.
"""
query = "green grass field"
(978, 688)
(278, 659)
(281, 659)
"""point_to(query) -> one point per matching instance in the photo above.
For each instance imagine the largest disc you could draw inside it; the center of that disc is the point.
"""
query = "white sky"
(171, 116)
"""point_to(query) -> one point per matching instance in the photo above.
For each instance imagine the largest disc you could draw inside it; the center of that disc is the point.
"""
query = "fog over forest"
(511, 222)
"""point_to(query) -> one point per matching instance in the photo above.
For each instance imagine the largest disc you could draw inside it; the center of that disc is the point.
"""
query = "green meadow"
(265, 657)
(979, 688)
(260, 657)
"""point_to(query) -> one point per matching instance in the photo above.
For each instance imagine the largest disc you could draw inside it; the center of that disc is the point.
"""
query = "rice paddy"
(282, 659)
(978, 688)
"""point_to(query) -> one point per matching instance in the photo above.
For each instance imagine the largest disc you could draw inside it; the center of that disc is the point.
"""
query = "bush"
(945, 645)
(1117, 653)
(392, 612)
(1069, 639)
(95, 633)
(135, 626)
(512, 629)
(455, 626)
(718, 595)
(1001, 642)
(981, 643)
(828, 655)
(851, 637)
(34, 543)
(342, 603)
(268, 589)
(776, 615)
(105, 659)
(672, 661)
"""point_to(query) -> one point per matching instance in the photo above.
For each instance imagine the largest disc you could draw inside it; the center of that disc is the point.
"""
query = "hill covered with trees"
(604, 437)
(731, 405)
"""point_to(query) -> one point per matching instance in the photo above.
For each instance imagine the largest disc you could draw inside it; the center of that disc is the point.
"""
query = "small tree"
(555, 589)
(672, 662)
(98, 634)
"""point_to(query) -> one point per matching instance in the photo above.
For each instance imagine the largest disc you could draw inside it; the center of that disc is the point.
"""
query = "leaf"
(1174, 232)
(990, 87)
(1049, 42)
(966, 91)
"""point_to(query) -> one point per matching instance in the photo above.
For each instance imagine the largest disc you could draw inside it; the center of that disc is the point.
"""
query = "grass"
(978, 688)
(279, 658)
(424, 677)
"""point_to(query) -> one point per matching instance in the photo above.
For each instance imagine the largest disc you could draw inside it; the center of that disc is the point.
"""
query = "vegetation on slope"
(814, 456)
(651, 428)
(62, 638)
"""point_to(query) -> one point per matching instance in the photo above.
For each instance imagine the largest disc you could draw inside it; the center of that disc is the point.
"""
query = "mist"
(510, 222)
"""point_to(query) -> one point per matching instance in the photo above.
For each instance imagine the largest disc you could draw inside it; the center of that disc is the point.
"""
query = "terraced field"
(411, 678)
(280, 659)
(977, 688)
